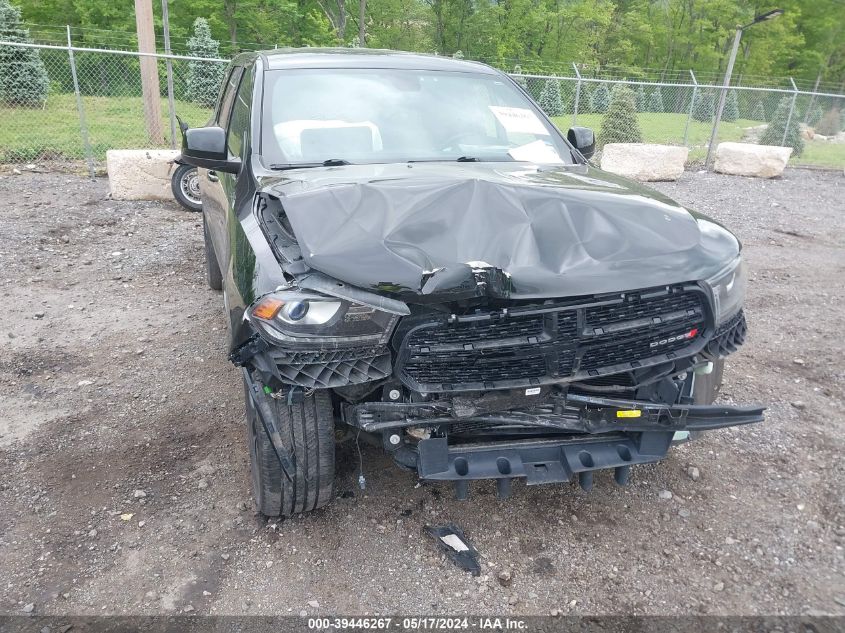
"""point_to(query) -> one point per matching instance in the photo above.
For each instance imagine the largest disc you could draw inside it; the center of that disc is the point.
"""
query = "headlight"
(298, 316)
(728, 288)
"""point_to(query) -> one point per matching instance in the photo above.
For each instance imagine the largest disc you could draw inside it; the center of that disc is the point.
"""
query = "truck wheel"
(707, 386)
(308, 429)
(212, 268)
(185, 185)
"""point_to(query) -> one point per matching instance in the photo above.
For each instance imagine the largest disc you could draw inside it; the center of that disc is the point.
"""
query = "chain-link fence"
(75, 103)
(72, 103)
(674, 113)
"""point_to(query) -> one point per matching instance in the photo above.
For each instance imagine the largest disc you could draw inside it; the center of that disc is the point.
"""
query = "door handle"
(212, 176)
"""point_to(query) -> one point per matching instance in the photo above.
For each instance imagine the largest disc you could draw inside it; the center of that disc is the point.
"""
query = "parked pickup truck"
(411, 252)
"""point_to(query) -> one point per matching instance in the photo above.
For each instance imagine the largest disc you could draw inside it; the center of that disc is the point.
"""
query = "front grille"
(532, 345)
(470, 332)
(471, 367)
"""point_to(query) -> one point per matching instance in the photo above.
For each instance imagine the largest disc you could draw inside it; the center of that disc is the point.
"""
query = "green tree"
(702, 108)
(517, 70)
(204, 78)
(774, 133)
(759, 113)
(830, 123)
(655, 101)
(600, 99)
(620, 124)
(23, 78)
(550, 101)
(731, 110)
(642, 102)
(814, 116)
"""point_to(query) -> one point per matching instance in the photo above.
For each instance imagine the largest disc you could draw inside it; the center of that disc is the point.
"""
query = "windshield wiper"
(459, 159)
(329, 162)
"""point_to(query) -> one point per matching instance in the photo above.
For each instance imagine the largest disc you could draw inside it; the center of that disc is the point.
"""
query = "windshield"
(387, 116)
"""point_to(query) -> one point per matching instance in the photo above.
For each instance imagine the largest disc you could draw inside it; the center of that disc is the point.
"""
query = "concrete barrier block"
(746, 159)
(644, 161)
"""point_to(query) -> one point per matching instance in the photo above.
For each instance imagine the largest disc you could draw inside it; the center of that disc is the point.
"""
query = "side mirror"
(206, 147)
(583, 139)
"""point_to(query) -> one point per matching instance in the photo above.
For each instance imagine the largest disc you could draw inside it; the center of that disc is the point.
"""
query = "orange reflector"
(267, 308)
(630, 413)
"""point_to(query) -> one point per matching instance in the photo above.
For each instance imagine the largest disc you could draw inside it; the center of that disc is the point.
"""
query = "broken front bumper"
(581, 434)
(537, 461)
(571, 413)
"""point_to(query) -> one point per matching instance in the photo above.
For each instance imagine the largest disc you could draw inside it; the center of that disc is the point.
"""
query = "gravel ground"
(124, 481)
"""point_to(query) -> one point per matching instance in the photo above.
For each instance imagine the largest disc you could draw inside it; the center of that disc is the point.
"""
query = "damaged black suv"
(410, 251)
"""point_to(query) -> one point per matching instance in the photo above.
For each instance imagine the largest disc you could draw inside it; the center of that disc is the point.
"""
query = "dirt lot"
(124, 482)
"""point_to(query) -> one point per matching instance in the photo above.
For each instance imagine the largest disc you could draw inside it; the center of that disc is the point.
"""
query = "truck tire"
(212, 268)
(707, 386)
(307, 430)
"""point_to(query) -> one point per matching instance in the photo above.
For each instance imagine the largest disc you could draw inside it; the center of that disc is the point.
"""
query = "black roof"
(365, 58)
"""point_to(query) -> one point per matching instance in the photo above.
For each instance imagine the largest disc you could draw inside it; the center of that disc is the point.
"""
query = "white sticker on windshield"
(537, 152)
(519, 120)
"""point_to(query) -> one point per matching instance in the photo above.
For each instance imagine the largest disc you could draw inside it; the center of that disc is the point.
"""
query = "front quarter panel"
(252, 269)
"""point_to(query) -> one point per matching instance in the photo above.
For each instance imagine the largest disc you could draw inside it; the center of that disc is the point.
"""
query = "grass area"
(669, 129)
(53, 132)
(117, 122)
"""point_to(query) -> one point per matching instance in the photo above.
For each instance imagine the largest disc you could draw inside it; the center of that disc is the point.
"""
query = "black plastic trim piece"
(538, 462)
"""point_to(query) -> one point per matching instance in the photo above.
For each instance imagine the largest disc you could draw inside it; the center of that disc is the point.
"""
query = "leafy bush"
(620, 124)
(731, 111)
(655, 101)
(550, 98)
(830, 123)
(703, 108)
(204, 78)
(759, 113)
(23, 78)
(774, 134)
(600, 99)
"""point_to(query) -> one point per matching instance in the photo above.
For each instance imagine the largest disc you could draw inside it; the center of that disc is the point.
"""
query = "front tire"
(307, 430)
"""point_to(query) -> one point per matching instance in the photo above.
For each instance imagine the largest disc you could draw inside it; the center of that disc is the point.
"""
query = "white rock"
(664, 494)
(746, 159)
(644, 161)
(140, 174)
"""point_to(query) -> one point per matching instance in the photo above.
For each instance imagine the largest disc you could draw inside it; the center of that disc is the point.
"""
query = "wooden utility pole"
(149, 70)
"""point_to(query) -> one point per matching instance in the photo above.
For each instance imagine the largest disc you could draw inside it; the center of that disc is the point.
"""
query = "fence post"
(577, 95)
(791, 110)
(80, 107)
(691, 106)
(171, 106)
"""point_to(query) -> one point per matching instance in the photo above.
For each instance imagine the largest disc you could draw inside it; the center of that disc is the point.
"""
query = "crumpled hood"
(503, 229)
